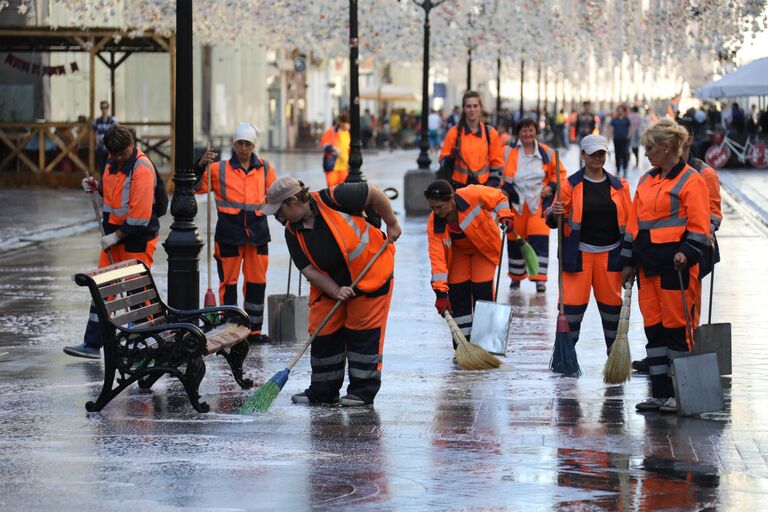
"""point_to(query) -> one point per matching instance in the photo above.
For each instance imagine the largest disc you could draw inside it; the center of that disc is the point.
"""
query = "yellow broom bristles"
(618, 367)
(468, 355)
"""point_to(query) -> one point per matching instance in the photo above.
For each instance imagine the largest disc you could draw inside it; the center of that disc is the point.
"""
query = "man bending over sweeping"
(331, 241)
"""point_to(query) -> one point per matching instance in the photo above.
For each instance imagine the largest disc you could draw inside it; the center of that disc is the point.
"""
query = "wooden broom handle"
(559, 236)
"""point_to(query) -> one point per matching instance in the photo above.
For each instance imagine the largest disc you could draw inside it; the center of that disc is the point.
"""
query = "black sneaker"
(259, 338)
(640, 366)
(83, 350)
(541, 287)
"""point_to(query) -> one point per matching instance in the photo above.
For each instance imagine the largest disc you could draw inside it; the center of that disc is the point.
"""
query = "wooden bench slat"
(131, 300)
(125, 286)
(159, 320)
(225, 335)
(138, 314)
(119, 273)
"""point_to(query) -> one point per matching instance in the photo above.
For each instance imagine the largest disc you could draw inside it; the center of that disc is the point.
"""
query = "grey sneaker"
(541, 287)
(670, 405)
(352, 401)
(303, 398)
(83, 350)
(652, 404)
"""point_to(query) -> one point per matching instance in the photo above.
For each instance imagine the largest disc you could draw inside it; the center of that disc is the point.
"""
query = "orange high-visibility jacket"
(240, 196)
(358, 242)
(511, 155)
(479, 158)
(668, 215)
(713, 184)
(572, 197)
(129, 197)
(478, 207)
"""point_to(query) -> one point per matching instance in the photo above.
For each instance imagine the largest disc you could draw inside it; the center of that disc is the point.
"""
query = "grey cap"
(279, 191)
(594, 143)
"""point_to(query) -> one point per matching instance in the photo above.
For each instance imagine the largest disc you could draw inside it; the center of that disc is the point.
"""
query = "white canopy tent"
(748, 80)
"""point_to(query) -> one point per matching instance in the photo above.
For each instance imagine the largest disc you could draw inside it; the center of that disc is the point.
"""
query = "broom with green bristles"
(262, 399)
(529, 254)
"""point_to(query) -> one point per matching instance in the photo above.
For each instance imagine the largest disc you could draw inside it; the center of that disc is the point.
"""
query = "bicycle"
(718, 155)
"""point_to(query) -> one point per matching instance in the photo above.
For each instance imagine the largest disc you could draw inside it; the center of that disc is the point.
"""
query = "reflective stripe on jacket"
(572, 197)
(479, 158)
(129, 197)
(478, 208)
(668, 215)
(511, 154)
(358, 242)
(240, 195)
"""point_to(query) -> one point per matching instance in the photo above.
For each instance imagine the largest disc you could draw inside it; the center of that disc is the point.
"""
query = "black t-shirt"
(599, 222)
(349, 198)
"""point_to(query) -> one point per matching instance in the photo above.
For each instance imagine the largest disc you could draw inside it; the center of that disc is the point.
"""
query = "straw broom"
(263, 398)
(468, 355)
(564, 359)
(619, 364)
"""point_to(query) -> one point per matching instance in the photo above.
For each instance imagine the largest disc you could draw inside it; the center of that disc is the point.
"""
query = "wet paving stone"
(438, 438)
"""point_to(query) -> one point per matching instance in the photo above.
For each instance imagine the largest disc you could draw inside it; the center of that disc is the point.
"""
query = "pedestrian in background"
(667, 233)
(620, 132)
(240, 186)
(129, 217)
(595, 207)
(530, 181)
(336, 143)
(635, 129)
(464, 246)
(331, 241)
(471, 151)
(586, 121)
(366, 127)
(434, 124)
(100, 126)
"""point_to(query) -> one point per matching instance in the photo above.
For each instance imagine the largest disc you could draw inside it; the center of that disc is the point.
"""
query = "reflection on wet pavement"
(438, 438)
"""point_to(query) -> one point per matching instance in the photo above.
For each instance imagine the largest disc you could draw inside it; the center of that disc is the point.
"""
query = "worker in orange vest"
(464, 246)
(130, 217)
(595, 205)
(336, 143)
(712, 254)
(530, 181)
(331, 241)
(667, 232)
(471, 151)
(242, 235)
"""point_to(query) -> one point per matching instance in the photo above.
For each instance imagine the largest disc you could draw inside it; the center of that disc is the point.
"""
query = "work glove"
(90, 184)
(442, 304)
(506, 223)
(108, 241)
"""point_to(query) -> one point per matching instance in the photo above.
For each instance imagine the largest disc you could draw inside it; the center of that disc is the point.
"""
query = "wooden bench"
(145, 339)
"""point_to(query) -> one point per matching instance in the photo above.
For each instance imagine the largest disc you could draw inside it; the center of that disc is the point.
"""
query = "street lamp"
(356, 144)
(416, 181)
(183, 243)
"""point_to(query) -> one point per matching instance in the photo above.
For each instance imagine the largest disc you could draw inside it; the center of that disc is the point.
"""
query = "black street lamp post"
(356, 144)
(522, 83)
(423, 161)
(498, 91)
(183, 243)
(417, 180)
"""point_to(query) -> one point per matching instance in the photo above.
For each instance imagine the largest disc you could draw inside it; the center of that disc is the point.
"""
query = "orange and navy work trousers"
(533, 228)
(355, 333)
(470, 279)
(606, 286)
(661, 304)
(336, 177)
(92, 335)
(254, 260)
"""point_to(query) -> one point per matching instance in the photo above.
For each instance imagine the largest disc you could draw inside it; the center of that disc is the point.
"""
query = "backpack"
(161, 194)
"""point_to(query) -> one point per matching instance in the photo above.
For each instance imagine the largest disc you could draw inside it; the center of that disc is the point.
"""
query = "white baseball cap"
(594, 143)
(247, 131)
